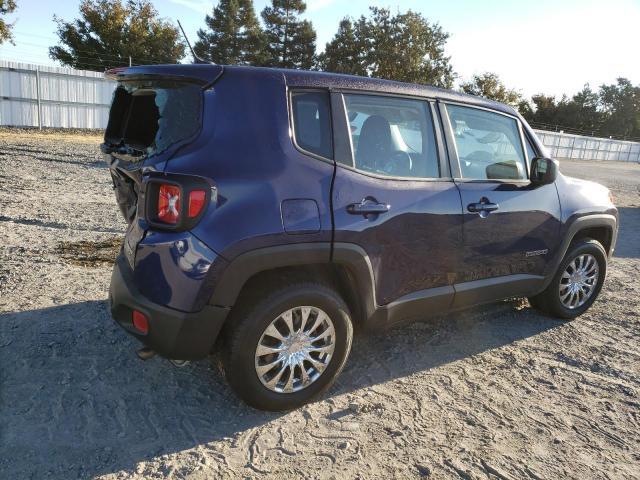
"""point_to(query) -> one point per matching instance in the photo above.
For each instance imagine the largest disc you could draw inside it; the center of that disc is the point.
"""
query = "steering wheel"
(398, 165)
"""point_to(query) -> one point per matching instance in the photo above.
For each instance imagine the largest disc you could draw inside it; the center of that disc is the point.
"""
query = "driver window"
(392, 136)
(488, 144)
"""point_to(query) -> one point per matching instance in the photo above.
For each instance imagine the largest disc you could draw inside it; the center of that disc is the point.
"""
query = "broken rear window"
(147, 117)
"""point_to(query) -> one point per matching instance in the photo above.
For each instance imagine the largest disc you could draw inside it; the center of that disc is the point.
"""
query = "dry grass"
(90, 254)
(64, 135)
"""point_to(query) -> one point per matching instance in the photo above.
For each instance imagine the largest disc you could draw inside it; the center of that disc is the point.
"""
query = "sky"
(543, 46)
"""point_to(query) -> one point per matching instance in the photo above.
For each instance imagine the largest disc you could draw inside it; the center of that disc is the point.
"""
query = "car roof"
(311, 79)
(338, 81)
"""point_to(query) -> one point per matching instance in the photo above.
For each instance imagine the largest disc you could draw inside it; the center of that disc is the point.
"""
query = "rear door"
(393, 195)
(511, 227)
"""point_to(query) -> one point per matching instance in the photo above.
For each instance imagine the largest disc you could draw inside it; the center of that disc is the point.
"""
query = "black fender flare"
(581, 223)
(245, 266)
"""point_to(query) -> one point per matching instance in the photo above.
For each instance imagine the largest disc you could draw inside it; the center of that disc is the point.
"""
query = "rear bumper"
(172, 333)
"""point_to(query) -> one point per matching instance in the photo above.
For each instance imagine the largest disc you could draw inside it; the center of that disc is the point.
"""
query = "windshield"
(148, 117)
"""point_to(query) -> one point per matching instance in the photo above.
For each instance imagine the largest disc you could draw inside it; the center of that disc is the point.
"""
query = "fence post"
(572, 145)
(597, 150)
(38, 98)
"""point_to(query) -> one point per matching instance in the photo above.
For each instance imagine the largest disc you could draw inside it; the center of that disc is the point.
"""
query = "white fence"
(576, 147)
(38, 96)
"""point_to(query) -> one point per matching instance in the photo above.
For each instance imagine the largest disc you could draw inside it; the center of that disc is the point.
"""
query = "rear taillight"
(140, 321)
(176, 202)
(197, 199)
(169, 204)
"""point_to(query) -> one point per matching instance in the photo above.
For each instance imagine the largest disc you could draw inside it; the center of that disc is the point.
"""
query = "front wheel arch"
(578, 230)
(602, 234)
(548, 301)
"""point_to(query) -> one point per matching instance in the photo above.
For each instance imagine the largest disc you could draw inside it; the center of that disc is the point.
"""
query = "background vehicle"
(274, 210)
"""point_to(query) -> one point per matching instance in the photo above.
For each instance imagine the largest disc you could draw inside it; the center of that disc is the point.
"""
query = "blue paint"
(270, 193)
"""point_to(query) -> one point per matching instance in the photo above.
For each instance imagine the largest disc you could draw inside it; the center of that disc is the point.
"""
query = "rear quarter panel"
(246, 149)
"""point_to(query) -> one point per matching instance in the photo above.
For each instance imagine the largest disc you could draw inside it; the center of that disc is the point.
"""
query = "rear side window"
(392, 136)
(489, 145)
(312, 122)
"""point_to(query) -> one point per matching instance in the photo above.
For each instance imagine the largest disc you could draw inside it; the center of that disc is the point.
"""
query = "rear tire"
(299, 313)
(584, 267)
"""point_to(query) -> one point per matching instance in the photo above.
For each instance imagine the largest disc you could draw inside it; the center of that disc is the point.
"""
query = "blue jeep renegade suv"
(271, 211)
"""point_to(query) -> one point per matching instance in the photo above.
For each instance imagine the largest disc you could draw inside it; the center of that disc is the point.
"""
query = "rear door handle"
(483, 208)
(368, 206)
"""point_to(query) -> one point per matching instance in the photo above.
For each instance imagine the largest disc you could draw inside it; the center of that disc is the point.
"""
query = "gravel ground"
(498, 392)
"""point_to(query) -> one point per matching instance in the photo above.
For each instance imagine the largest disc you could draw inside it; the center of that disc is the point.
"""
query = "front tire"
(577, 283)
(288, 346)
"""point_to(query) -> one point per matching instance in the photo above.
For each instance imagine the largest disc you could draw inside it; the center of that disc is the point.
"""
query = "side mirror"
(543, 171)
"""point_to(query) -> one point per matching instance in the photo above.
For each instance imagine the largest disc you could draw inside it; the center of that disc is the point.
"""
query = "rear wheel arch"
(247, 266)
(358, 278)
(348, 271)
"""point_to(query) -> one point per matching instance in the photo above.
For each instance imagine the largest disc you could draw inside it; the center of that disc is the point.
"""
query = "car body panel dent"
(173, 269)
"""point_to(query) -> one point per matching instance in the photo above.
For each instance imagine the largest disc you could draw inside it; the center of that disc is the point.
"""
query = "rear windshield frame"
(184, 111)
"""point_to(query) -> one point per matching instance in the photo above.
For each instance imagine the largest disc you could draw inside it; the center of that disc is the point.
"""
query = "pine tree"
(408, 48)
(291, 42)
(403, 47)
(109, 32)
(346, 52)
(233, 36)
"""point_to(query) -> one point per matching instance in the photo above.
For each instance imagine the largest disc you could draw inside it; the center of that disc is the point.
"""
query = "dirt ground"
(500, 392)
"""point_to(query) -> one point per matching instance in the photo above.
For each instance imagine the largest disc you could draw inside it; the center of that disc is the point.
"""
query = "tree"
(620, 104)
(291, 42)
(108, 32)
(404, 47)
(612, 111)
(525, 109)
(583, 110)
(234, 35)
(6, 7)
(545, 109)
(489, 85)
(408, 48)
(346, 52)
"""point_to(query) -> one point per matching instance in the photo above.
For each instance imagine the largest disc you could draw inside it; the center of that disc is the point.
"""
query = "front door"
(393, 197)
(511, 228)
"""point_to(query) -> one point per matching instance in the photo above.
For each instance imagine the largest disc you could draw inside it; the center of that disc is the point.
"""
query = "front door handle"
(483, 208)
(368, 206)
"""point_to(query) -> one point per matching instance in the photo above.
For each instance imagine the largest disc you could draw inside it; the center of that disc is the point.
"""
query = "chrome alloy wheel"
(295, 349)
(579, 281)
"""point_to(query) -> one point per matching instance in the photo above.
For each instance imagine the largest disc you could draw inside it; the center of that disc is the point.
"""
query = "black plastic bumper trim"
(172, 333)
